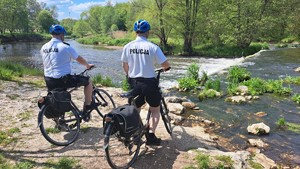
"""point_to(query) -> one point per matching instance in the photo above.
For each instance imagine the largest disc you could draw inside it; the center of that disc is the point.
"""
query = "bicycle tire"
(121, 154)
(164, 111)
(60, 131)
(103, 99)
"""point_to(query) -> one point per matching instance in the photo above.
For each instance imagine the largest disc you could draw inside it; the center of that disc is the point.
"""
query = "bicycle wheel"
(164, 111)
(121, 153)
(103, 99)
(60, 131)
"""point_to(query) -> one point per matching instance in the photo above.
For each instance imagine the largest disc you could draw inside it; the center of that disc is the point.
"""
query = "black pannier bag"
(127, 119)
(57, 102)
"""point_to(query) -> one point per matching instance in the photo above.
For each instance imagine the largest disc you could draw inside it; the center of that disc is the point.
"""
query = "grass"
(7, 137)
(25, 115)
(255, 165)
(98, 79)
(52, 130)
(63, 163)
(11, 71)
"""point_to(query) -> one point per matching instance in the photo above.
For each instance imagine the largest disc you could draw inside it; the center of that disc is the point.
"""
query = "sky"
(73, 8)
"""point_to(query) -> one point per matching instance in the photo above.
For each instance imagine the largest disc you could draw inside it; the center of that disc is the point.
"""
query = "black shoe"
(152, 139)
(86, 116)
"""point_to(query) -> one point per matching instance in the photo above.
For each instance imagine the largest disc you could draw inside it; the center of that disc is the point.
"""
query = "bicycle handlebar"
(92, 67)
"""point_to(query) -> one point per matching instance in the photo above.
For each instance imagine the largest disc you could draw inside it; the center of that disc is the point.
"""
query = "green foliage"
(193, 71)
(125, 85)
(45, 20)
(98, 79)
(191, 81)
(226, 160)
(63, 163)
(81, 28)
(187, 83)
(256, 86)
(255, 165)
(293, 127)
(281, 122)
(237, 74)
(9, 70)
(105, 40)
(208, 93)
(6, 137)
(213, 84)
(292, 80)
(202, 160)
(296, 98)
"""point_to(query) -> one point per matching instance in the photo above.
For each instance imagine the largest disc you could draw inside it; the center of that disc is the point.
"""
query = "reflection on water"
(233, 119)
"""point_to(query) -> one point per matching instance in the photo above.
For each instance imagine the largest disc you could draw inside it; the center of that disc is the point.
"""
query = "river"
(284, 146)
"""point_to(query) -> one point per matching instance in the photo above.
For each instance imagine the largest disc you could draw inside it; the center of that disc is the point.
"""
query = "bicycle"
(121, 152)
(64, 130)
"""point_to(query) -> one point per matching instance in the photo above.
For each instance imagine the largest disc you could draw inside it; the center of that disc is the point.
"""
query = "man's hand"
(89, 66)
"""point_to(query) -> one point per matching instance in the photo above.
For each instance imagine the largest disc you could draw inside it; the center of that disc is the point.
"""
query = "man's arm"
(165, 65)
(125, 67)
(82, 61)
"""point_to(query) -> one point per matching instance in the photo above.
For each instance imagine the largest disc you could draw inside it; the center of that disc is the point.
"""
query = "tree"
(186, 16)
(68, 24)
(45, 20)
(34, 8)
(81, 28)
(94, 18)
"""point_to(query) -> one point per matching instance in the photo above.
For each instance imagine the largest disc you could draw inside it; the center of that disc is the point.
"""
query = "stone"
(258, 128)
(189, 105)
(257, 143)
(176, 108)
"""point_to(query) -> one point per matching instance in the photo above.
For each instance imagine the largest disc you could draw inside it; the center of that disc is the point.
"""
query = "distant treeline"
(187, 26)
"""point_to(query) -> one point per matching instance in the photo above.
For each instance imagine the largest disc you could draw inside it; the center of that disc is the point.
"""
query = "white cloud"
(78, 8)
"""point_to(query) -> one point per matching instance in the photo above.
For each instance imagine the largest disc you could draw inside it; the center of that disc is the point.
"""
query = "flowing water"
(232, 118)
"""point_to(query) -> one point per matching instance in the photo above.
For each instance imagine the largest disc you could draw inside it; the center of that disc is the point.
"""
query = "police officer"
(139, 58)
(57, 56)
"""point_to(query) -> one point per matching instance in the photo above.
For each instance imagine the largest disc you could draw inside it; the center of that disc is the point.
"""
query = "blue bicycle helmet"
(141, 26)
(57, 29)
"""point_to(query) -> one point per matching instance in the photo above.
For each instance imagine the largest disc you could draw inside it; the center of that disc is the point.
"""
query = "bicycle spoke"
(60, 131)
(103, 101)
(122, 153)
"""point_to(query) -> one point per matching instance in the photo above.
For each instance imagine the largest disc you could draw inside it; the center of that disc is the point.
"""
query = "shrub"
(125, 85)
(98, 79)
(296, 98)
(213, 84)
(187, 83)
(237, 74)
(193, 71)
(256, 86)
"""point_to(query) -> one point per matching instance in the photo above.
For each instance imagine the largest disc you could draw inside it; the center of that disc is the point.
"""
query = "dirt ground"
(16, 99)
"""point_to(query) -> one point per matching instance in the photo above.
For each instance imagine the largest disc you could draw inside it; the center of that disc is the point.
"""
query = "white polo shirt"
(141, 56)
(57, 57)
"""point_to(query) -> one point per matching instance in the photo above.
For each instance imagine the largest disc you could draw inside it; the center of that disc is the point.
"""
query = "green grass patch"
(255, 165)
(293, 127)
(237, 74)
(63, 163)
(225, 161)
(106, 81)
(7, 137)
(292, 80)
(202, 160)
(296, 98)
(52, 130)
(25, 115)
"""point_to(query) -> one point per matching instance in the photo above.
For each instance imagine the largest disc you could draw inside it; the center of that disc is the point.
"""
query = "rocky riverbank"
(19, 110)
